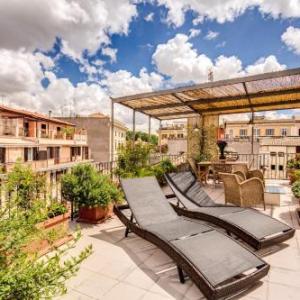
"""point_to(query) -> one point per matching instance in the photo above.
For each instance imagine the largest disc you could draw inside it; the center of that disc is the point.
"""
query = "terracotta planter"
(95, 214)
(60, 224)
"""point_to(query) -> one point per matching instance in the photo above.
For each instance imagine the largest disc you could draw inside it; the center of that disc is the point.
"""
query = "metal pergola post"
(160, 137)
(133, 126)
(149, 128)
(112, 136)
(252, 132)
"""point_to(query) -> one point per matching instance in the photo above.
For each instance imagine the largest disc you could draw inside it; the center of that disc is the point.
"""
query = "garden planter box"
(94, 215)
(59, 225)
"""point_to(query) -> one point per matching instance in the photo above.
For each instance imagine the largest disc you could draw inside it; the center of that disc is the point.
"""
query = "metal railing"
(274, 163)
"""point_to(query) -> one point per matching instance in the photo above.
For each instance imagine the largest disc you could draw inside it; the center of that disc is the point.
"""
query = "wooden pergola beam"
(213, 84)
(219, 99)
(254, 106)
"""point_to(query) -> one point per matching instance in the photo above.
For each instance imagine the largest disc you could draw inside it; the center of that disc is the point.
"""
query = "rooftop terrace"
(132, 268)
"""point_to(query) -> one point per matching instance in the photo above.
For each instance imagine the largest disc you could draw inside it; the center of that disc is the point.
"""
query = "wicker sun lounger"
(255, 228)
(218, 265)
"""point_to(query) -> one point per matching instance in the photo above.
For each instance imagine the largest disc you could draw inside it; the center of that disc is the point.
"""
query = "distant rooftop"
(262, 120)
(31, 115)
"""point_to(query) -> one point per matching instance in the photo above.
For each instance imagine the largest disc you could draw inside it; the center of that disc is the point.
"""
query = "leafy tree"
(24, 185)
(133, 161)
(23, 274)
(132, 158)
(143, 136)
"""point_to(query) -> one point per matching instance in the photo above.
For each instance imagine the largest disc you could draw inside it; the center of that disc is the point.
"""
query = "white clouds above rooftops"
(291, 37)
(180, 61)
(227, 10)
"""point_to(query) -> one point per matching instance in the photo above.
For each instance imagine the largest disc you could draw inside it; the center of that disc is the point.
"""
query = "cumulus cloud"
(81, 24)
(211, 35)
(291, 37)
(181, 62)
(264, 65)
(194, 32)
(110, 52)
(227, 10)
(21, 71)
(149, 17)
(123, 83)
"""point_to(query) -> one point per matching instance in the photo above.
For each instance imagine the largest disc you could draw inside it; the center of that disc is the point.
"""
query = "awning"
(269, 91)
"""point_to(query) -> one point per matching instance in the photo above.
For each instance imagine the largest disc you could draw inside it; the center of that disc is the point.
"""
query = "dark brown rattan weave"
(255, 228)
(176, 243)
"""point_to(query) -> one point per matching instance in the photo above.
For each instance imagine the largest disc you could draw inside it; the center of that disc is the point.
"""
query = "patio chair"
(247, 174)
(253, 227)
(243, 193)
(219, 272)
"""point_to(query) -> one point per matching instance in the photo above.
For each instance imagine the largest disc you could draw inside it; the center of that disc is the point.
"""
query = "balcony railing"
(275, 163)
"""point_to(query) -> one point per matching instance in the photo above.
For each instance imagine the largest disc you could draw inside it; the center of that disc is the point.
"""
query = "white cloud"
(291, 37)
(280, 8)
(110, 52)
(194, 32)
(123, 83)
(211, 35)
(21, 71)
(181, 62)
(81, 24)
(149, 17)
(264, 65)
(227, 67)
(227, 10)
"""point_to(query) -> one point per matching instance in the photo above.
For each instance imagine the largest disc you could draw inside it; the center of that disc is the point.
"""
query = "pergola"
(268, 91)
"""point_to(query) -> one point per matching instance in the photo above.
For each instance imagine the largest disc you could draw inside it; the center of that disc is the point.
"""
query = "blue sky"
(84, 51)
(250, 37)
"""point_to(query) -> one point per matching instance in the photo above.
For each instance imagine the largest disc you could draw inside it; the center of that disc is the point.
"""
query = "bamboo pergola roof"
(269, 91)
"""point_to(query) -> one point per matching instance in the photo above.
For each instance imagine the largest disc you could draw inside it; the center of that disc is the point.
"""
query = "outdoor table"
(216, 166)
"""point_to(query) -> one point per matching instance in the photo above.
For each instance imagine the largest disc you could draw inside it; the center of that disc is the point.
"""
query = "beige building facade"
(174, 135)
(275, 142)
(46, 144)
(38, 140)
(172, 131)
(98, 127)
(242, 130)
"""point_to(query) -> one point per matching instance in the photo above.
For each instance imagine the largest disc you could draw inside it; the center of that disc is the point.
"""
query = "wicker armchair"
(238, 169)
(247, 193)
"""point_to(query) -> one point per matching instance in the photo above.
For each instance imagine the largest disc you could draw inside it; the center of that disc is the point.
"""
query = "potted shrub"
(296, 192)
(93, 192)
(54, 226)
(293, 167)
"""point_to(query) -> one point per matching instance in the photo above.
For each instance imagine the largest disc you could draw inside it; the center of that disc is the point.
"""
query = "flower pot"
(94, 214)
(58, 225)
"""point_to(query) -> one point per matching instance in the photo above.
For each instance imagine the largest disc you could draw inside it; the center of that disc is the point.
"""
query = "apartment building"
(98, 127)
(174, 135)
(172, 131)
(262, 127)
(38, 140)
(274, 143)
(48, 145)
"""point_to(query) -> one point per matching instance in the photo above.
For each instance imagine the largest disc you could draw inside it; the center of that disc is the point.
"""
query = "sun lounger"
(252, 226)
(218, 265)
